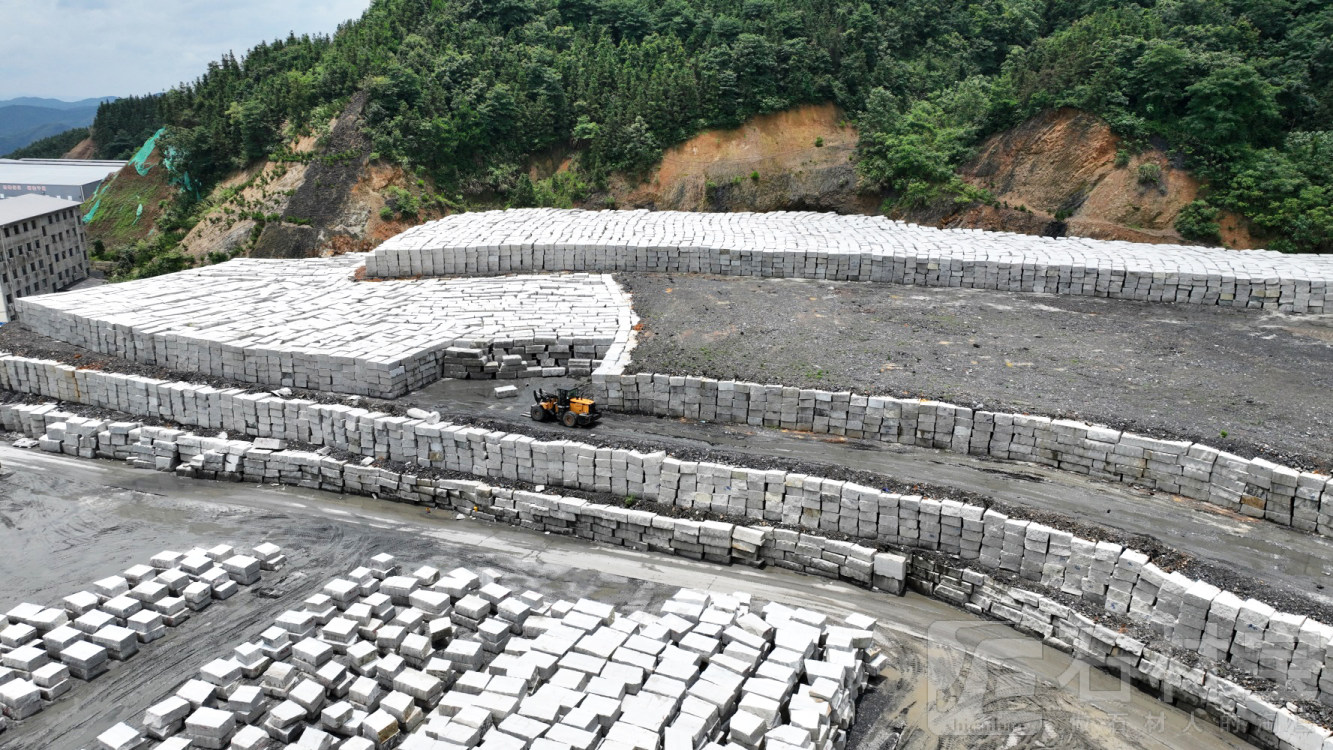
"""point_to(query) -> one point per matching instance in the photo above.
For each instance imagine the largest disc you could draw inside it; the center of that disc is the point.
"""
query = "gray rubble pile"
(855, 248)
(308, 324)
(384, 657)
(42, 648)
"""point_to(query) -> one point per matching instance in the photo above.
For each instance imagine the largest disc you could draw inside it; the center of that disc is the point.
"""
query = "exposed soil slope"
(770, 163)
(1063, 161)
(228, 226)
(85, 149)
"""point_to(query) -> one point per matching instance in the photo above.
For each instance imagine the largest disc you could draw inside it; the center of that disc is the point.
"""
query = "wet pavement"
(956, 680)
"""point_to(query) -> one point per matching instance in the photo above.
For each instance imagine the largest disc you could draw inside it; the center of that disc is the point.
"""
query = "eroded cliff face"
(1063, 162)
(1059, 164)
(798, 159)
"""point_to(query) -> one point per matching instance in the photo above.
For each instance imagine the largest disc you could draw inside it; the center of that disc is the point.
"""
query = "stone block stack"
(850, 248)
(1119, 581)
(307, 324)
(483, 665)
(44, 649)
(1194, 470)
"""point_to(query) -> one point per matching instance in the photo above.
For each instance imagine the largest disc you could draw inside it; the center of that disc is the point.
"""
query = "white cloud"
(76, 49)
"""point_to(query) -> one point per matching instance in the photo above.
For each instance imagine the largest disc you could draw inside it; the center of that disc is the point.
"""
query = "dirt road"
(71, 521)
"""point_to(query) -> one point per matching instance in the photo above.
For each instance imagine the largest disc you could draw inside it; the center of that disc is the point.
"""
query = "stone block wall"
(268, 461)
(1252, 637)
(850, 248)
(1254, 487)
(1293, 650)
(1181, 681)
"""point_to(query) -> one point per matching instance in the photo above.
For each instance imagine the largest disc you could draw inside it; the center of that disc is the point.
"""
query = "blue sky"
(77, 49)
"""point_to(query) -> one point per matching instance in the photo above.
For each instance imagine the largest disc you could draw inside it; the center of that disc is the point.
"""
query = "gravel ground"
(1249, 382)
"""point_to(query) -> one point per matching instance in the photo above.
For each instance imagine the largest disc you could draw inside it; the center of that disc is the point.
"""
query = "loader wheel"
(570, 419)
(537, 413)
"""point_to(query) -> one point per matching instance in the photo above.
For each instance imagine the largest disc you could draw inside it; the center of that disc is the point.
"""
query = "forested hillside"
(51, 147)
(466, 92)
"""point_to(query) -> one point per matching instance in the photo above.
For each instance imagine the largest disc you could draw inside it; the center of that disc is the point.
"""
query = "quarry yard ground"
(1247, 381)
(68, 522)
(1266, 379)
(1171, 370)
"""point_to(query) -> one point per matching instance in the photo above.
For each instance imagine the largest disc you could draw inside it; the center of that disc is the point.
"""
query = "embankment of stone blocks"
(1182, 681)
(851, 248)
(1254, 487)
(1295, 651)
(1189, 615)
(1246, 634)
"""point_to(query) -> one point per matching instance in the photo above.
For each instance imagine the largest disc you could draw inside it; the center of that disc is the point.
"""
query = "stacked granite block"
(1301, 499)
(1253, 487)
(384, 658)
(853, 248)
(1182, 681)
(43, 648)
(1120, 581)
(307, 324)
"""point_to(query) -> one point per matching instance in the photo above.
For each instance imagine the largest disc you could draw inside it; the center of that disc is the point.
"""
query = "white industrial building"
(71, 179)
(43, 247)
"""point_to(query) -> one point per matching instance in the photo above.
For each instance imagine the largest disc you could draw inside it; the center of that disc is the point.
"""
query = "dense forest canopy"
(466, 91)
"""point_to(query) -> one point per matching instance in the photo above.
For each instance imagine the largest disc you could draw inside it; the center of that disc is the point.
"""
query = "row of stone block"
(1077, 566)
(1254, 487)
(852, 248)
(1167, 602)
(1184, 681)
(1121, 581)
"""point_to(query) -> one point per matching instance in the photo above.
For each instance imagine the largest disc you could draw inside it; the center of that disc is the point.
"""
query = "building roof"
(29, 206)
(55, 171)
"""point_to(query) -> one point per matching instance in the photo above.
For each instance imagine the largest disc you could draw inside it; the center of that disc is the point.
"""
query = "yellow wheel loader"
(564, 406)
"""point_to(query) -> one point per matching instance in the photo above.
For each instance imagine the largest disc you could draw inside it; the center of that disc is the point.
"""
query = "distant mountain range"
(27, 119)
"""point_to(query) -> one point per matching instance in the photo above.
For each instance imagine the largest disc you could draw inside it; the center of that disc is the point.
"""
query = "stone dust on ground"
(1250, 382)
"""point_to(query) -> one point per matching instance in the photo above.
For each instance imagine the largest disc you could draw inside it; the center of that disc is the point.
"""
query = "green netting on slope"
(140, 158)
(97, 198)
(141, 165)
(138, 213)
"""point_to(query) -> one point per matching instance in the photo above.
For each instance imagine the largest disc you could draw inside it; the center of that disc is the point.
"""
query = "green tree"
(1233, 106)
(1198, 221)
